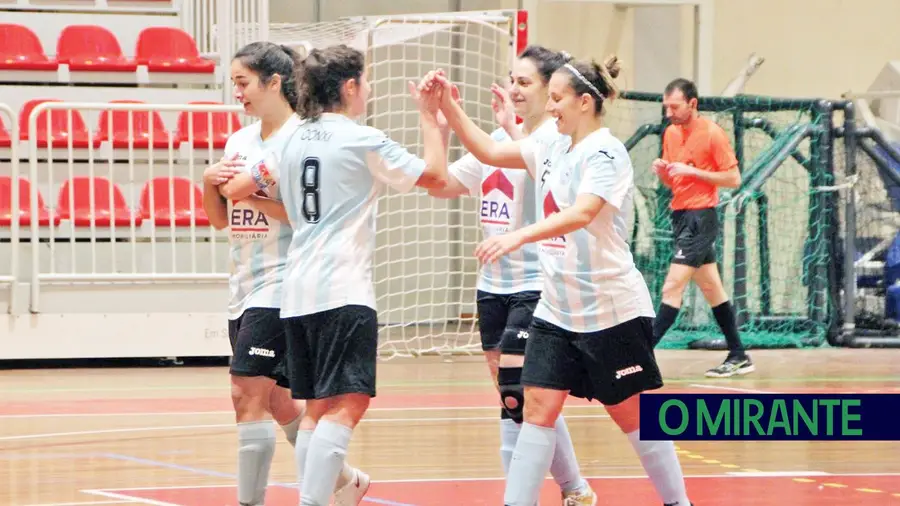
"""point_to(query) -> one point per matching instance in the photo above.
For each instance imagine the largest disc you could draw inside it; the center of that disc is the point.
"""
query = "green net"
(776, 243)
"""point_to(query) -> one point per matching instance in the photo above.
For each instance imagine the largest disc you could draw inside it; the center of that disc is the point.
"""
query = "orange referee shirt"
(705, 147)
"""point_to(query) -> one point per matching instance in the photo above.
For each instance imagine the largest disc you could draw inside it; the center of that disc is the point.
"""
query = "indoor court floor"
(165, 436)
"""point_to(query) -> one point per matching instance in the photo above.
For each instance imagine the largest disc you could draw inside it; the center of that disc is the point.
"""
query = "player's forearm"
(479, 143)
(564, 222)
(453, 189)
(239, 187)
(215, 207)
(726, 179)
(435, 175)
(269, 207)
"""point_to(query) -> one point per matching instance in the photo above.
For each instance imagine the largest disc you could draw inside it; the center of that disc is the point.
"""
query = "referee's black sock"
(665, 318)
(724, 314)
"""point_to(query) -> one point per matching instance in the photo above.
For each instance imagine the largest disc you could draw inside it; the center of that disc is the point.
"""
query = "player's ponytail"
(321, 77)
(595, 80)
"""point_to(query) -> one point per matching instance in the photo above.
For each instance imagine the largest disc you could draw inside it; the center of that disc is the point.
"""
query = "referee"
(697, 159)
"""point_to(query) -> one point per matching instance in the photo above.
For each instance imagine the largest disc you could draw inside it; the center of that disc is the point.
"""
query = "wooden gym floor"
(165, 436)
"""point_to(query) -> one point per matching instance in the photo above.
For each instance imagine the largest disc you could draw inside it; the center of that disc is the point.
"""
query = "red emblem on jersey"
(550, 206)
(498, 181)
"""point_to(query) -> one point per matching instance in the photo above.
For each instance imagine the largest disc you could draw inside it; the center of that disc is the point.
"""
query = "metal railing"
(11, 280)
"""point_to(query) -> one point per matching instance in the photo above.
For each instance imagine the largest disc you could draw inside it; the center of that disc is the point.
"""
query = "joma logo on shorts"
(262, 352)
(621, 373)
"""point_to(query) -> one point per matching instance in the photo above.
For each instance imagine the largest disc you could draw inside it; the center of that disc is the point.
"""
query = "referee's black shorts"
(695, 236)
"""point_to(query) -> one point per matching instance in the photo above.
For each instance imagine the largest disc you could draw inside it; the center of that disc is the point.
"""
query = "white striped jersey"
(507, 204)
(590, 280)
(258, 243)
(331, 175)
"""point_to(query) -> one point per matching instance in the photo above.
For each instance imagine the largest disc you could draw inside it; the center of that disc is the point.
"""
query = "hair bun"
(565, 56)
(613, 67)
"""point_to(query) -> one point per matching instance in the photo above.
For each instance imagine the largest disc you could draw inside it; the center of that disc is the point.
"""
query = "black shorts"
(695, 236)
(258, 345)
(610, 365)
(332, 352)
(504, 320)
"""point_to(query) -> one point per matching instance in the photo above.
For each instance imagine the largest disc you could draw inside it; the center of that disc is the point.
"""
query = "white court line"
(200, 413)
(88, 503)
(231, 425)
(731, 389)
(775, 474)
(130, 499)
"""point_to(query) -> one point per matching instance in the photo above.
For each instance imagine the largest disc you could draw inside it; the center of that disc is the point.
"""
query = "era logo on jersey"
(496, 212)
(247, 223)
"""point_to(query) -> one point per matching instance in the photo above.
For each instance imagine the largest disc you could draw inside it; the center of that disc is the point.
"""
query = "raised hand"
(502, 105)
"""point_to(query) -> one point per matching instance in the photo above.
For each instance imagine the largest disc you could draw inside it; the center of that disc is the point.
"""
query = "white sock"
(346, 476)
(290, 431)
(530, 463)
(256, 441)
(300, 450)
(564, 467)
(661, 465)
(509, 434)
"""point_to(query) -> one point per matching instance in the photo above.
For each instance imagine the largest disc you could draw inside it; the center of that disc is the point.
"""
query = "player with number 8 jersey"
(331, 174)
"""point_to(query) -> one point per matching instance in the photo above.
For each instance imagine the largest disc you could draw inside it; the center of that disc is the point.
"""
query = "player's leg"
(546, 375)
(681, 270)
(621, 365)
(258, 346)
(492, 316)
(564, 467)
(738, 361)
(284, 409)
(345, 346)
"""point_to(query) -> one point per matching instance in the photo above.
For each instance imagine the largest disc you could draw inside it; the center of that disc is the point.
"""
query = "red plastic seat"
(223, 125)
(140, 128)
(167, 49)
(20, 49)
(92, 48)
(59, 127)
(5, 139)
(44, 215)
(102, 214)
(178, 208)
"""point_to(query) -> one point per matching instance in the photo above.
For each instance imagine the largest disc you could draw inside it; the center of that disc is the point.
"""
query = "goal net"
(424, 270)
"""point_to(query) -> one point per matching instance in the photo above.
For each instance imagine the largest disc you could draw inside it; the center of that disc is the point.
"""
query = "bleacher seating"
(92, 48)
(59, 134)
(6, 211)
(166, 49)
(77, 192)
(140, 131)
(165, 210)
(207, 127)
(5, 138)
(20, 49)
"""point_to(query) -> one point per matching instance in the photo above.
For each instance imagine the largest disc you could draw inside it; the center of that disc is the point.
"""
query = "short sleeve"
(722, 151)
(665, 144)
(391, 163)
(266, 172)
(468, 171)
(608, 175)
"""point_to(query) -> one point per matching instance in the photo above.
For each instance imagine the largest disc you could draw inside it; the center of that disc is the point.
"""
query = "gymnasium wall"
(815, 48)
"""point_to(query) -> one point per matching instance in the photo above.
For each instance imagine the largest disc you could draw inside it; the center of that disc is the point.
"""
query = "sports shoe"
(583, 497)
(731, 366)
(352, 493)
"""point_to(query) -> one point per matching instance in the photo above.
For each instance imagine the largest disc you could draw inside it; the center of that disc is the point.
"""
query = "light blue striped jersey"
(590, 280)
(332, 174)
(507, 204)
(258, 244)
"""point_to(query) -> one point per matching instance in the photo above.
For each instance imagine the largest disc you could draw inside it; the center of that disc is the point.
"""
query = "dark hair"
(266, 60)
(322, 75)
(595, 80)
(546, 60)
(686, 86)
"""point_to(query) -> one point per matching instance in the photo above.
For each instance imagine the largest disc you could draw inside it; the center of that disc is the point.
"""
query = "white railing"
(93, 6)
(11, 121)
(122, 234)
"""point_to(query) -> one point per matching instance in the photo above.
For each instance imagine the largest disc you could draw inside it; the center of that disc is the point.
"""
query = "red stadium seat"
(223, 125)
(5, 139)
(81, 212)
(59, 133)
(92, 48)
(166, 49)
(44, 215)
(20, 49)
(140, 128)
(180, 208)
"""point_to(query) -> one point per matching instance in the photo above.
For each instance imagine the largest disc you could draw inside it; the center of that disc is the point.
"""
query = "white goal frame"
(704, 19)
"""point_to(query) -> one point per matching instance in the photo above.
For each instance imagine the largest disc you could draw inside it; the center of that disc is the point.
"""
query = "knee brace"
(511, 392)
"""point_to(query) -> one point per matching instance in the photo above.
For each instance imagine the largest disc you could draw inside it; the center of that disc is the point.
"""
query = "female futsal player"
(591, 333)
(263, 76)
(509, 289)
(332, 173)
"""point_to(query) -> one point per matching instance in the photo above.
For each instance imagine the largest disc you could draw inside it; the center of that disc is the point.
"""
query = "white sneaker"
(352, 493)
